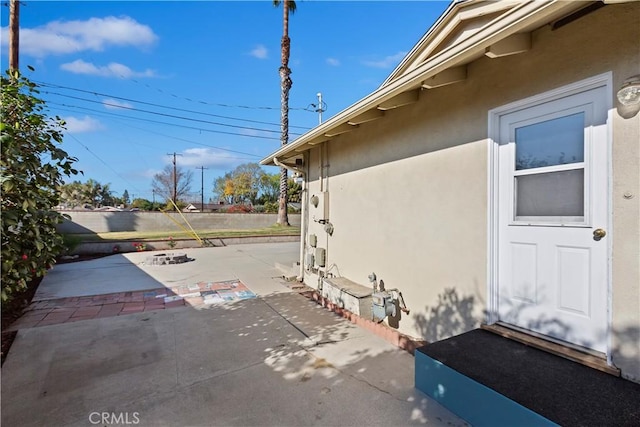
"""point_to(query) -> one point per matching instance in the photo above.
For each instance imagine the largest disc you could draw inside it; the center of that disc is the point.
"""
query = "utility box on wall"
(348, 295)
(319, 206)
(321, 257)
(383, 306)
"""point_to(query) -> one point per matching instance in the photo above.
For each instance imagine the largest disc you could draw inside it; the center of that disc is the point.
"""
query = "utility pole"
(320, 107)
(175, 178)
(14, 33)
(202, 168)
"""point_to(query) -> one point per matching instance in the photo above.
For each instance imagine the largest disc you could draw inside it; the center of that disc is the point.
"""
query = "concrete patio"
(278, 359)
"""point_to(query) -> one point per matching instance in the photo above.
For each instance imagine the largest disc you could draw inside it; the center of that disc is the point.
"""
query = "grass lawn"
(159, 235)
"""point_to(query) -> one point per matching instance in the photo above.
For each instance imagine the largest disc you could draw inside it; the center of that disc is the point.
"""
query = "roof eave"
(516, 19)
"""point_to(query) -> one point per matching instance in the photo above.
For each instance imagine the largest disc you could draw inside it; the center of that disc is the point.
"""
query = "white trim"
(494, 115)
(594, 82)
(609, 106)
(492, 204)
(517, 19)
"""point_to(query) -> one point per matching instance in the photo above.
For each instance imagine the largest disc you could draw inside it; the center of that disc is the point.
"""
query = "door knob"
(599, 233)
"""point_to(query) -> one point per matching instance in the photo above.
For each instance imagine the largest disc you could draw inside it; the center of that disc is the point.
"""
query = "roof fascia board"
(447, 77)
(443, 27)
(442, 20)
(516, 19)
(367, 116)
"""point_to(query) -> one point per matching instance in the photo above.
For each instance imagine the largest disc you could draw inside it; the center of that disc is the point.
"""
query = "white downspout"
(303, 216)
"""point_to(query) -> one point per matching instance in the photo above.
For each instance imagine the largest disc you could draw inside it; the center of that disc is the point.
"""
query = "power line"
(163, 123)
(199, 143)
(156, 105)
(173, 95)
(189, 141)
(173, 116)
(215, 104)
(103, 162)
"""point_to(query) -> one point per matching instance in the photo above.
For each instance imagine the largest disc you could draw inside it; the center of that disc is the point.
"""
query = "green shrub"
(271, 207)
(70, 242)
(30, 242)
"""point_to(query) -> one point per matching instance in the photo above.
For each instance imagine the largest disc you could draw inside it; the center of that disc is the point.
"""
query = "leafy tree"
(144, 204)
(220, 188)
(270, 188)
(30, 242)
(125, 198)
(247, 178)
(91, 193)
(288, 6)
(163, 183)
(241, 185)
(73, 195)
(294, 191)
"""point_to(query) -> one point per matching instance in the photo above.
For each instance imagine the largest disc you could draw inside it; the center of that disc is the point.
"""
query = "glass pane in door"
(552, 142)
(551, 194)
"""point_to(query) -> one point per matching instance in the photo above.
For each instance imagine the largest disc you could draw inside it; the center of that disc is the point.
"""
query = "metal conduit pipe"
(303, 216)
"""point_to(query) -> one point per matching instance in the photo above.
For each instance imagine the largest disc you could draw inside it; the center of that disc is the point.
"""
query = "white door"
(552, 212)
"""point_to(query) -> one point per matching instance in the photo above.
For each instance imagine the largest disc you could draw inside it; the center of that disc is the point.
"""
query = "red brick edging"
(74, 309)
(396, 338)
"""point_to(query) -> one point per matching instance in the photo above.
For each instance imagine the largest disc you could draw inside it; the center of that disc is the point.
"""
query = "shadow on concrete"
(106, 275)
(323, 354)
(279, 359)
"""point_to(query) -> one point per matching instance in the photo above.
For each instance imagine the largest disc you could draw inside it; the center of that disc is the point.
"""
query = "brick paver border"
(74, 309)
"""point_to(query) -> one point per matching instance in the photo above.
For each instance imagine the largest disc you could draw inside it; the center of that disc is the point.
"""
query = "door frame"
(495, 114)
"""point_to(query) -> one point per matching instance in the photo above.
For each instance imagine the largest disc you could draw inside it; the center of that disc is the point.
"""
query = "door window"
(549, 171)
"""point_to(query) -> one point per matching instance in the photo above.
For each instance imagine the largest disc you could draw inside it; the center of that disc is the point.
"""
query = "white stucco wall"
(408, 193)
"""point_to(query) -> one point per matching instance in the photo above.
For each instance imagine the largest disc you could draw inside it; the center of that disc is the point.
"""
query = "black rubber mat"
(560, 390)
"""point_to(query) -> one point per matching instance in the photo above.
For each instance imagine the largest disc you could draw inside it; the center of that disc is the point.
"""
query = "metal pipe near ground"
(303, 219)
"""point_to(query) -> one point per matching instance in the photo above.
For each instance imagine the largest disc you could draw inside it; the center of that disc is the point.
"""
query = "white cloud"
(95, 34)
(82, 125)
(114, 104)
(113, 69)
(333, 62)
(387, 62)
(209, 158)
(260, 52)
(150, 173)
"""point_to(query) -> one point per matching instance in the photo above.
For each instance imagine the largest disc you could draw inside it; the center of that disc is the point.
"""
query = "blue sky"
(213, 64)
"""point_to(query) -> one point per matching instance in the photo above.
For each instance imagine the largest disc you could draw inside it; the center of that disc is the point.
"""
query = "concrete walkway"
(278, 359)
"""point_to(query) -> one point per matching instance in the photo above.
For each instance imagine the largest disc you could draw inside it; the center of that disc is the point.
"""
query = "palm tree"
(288, 6)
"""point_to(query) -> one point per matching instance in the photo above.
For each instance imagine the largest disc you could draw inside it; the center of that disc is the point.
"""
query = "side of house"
(487, 222)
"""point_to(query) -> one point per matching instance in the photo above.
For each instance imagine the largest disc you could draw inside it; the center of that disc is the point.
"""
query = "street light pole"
(202, 168)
